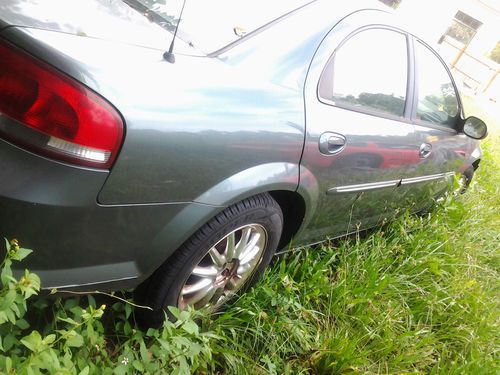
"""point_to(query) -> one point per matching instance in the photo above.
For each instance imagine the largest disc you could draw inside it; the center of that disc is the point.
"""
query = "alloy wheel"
(225, 268)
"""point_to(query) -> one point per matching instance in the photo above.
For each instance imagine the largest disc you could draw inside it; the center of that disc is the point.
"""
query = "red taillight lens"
(67, 121)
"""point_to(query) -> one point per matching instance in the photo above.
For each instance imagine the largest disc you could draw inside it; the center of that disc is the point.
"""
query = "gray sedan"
(179, 164)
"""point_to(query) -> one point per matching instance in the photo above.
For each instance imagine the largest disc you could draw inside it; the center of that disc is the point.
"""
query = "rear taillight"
(53, 114)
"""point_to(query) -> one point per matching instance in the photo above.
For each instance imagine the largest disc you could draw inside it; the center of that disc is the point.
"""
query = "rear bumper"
(51, 208)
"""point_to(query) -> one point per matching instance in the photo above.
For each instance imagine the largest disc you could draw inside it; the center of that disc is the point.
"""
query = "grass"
(419, 296)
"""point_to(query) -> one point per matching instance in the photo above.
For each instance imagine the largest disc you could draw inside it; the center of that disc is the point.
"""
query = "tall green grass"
(419, 296)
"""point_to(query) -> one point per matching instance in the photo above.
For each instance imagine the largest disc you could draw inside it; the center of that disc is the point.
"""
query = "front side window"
(369, 73)
(437, 99)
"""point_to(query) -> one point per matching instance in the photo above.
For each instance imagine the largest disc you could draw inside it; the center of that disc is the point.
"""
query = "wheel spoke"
(229, 252)
(235, 282)
(210, 271)
(245, 269)
(218, 258)
(252, 249)
(217, 295)
(242, 244)
(202, 297)
(196, 287)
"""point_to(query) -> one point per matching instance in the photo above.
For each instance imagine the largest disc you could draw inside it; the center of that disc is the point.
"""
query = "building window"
(392, 3)
(463, 28)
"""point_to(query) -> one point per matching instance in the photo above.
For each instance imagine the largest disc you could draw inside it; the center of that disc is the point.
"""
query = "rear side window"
(368, 73)
(437, 99)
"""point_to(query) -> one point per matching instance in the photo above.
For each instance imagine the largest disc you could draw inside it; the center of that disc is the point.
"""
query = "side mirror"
(475, 128)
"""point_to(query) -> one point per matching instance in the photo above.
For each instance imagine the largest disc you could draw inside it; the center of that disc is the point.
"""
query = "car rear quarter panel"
(189, 125)
(194, 129)
(51, 207)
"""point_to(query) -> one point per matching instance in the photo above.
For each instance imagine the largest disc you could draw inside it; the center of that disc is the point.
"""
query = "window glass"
(437, 99)
(370, 72)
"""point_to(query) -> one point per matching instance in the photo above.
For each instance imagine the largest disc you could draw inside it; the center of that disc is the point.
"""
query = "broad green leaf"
(68, 320)
(8, 365)
(145, 354)
(151, 332)
(138, 365)
(175, 312)
(6, 274)
(3, 317)
(9, 341)
(128, 310)
(21, 253)
(120, 370)
(194, 350)
(49, 339)
(33, 341)
(127, 329)
(70, 303)
(11, 317)
(191, 327)
(22, 323)
(74, 339)
(183, 366)
(7, 300)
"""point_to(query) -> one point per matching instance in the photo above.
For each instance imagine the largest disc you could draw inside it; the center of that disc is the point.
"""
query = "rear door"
(360, 141)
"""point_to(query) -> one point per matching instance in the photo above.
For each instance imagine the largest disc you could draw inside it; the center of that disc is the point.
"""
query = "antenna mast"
(169, 55)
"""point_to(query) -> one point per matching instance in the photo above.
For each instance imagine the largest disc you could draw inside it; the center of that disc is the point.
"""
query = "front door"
(436, 115)
(360, 141)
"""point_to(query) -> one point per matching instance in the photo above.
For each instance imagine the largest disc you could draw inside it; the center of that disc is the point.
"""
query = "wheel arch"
(292, 186)
(293, 207)
(280, 180)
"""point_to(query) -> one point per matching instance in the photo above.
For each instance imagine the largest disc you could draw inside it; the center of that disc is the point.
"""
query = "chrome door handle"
(425, 150)
(331, 143)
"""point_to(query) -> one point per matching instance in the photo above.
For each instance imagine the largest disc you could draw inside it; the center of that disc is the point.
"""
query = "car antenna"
(169, 55)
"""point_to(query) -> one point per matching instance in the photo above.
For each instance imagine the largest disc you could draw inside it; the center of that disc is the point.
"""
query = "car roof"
(317, 15)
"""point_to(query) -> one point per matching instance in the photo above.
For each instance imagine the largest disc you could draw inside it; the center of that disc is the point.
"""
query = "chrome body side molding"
(363, 187)
(386, 184)
(416, 180)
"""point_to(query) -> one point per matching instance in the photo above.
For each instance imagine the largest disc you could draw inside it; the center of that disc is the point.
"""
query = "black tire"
(163, 288)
